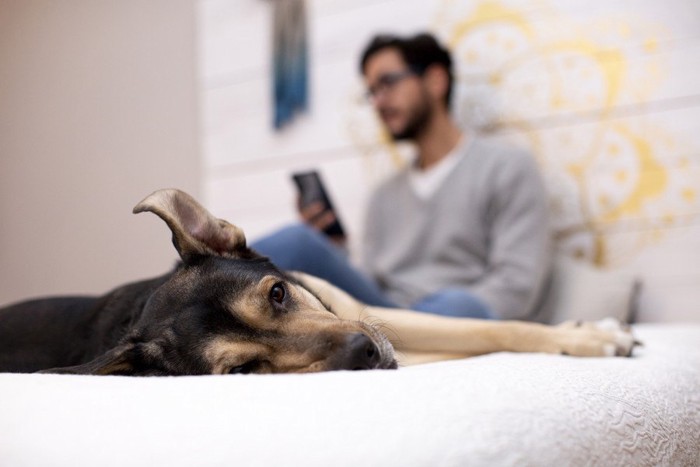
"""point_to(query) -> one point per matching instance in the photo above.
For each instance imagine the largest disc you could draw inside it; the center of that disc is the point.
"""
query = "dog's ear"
(195, 231)
(118, 361)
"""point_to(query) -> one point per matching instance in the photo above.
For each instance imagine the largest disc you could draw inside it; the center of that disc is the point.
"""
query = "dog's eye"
(277, 293)
(244, 369)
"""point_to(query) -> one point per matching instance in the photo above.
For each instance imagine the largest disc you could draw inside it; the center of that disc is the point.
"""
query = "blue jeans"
(301, 248)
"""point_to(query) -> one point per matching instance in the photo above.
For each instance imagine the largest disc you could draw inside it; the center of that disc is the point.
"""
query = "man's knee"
(291, 247)
(304, 236)
(296, 235)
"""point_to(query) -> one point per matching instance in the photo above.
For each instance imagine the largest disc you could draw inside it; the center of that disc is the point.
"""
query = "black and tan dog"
(225, 309)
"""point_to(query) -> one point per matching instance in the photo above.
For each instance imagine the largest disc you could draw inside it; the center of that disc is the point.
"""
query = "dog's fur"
(225, 309)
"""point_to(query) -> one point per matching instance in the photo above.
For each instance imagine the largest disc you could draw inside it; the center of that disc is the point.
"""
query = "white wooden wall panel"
(235, 39)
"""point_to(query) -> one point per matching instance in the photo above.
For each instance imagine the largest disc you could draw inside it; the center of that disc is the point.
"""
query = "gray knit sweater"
(485, 229)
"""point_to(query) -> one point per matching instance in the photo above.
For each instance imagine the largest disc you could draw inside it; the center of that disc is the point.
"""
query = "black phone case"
(311, 190)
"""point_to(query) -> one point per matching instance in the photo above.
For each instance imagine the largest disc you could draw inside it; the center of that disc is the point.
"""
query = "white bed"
(501, 409)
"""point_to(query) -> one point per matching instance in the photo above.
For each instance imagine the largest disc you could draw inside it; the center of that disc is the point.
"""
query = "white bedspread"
(501, 409)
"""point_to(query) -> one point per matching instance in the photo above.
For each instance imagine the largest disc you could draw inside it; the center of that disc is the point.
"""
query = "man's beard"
(417, 122)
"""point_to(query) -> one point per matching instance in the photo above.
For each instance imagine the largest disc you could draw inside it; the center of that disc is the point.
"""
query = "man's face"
(398, 95)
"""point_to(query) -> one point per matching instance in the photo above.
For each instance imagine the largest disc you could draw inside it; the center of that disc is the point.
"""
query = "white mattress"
(501, 409)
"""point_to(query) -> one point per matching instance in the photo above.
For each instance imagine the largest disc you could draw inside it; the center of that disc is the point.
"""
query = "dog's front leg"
(424, 337)
(422, 333)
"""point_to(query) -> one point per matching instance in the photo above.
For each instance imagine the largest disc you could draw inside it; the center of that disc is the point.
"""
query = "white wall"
(98, 108)
(605, 94)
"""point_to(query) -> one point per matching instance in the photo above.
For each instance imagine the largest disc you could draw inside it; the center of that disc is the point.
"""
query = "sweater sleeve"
(519, 240)
(372, 229)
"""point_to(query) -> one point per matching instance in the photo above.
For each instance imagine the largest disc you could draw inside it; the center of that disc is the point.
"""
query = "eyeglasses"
(386, 83)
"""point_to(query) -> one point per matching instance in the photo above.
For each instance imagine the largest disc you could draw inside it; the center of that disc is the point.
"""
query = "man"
(461, 232)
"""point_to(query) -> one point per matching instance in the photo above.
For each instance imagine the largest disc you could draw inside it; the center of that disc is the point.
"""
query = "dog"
(225, 309)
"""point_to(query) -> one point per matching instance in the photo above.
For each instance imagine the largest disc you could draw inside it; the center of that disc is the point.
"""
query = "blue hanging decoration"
(290, 49)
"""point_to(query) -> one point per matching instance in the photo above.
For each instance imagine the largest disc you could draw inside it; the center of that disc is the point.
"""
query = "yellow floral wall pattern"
(580, 90)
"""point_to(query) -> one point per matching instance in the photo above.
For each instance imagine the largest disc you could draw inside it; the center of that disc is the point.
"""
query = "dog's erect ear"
(195, 231)
(117, 361)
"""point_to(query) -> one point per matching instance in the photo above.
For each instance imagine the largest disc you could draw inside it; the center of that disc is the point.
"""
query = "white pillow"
(579, 291)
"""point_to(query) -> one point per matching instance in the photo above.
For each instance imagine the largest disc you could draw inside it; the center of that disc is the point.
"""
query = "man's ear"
(118, 361)
(195, 231)
(436, 81)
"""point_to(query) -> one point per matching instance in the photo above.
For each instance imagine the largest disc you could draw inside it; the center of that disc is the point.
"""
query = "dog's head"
(228, 310)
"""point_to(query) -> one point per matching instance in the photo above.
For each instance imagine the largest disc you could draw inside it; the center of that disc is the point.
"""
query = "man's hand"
(316, 216)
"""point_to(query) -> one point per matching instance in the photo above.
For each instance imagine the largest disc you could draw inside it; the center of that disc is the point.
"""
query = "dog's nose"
(363, 354)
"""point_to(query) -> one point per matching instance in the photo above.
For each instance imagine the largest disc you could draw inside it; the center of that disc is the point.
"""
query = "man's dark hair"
(419, 52)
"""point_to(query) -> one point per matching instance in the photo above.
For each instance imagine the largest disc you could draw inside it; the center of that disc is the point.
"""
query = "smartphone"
(311, 190)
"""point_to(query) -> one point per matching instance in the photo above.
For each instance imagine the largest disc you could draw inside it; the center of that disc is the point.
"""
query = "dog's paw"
(605, 338)
(624, 341)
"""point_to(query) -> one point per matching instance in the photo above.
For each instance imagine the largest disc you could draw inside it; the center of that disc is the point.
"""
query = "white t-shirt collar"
(426, 182)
